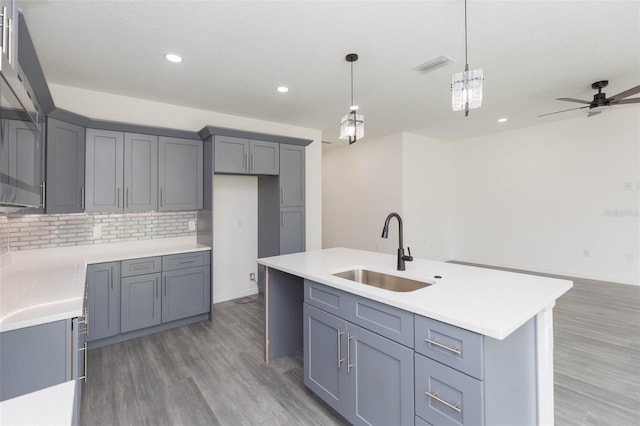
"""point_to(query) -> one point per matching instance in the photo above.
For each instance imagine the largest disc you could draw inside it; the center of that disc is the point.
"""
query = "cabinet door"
(104, 171)
(140, 172)
(264, 158)
(325, 356)
(26, 162)
(379, 380)
(65, 167)
(185, 293)
(180, 174)
(34, 358)
(291, 175)
(103, 302)
(231, 155)
(140, 302)
(292, 230)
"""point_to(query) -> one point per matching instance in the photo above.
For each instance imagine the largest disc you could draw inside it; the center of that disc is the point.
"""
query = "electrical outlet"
(97, 231)
(252, 276)
(192, 225)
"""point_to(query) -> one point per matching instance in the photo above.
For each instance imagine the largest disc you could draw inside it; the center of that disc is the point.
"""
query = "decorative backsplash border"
(30, 232)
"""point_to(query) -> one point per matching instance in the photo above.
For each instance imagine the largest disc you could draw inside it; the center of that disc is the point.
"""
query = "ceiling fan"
(600, 101)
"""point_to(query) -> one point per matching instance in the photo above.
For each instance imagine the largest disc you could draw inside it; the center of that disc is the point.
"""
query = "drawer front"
(444, 396)
(326, 298)
(187, 260)
(456, 347)
(388, 321)
(147, 265)
(419, 422)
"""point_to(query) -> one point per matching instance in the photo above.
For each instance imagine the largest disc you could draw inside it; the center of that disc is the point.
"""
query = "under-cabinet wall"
(4, 235)
(28, 232)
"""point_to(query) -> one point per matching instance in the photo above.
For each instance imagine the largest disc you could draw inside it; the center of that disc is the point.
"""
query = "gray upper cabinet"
(180, 174)
(292, 180)
(140, 172)
(65, 167)
(104, 171)
(103, 300)
(292, 230)
(243, 156)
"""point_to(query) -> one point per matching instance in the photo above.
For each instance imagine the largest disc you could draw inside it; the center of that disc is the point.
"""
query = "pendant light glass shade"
(466, 88)
(352, 127)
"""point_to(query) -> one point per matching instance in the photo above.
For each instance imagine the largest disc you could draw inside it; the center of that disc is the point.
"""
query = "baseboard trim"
(236, 295)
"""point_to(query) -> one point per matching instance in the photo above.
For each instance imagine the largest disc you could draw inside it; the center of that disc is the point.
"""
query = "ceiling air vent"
(434, 63)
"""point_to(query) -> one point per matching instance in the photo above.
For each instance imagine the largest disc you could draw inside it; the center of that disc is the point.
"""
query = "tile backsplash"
(60, 230)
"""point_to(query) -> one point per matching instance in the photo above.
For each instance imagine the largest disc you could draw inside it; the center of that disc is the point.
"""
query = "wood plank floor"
(213, 373)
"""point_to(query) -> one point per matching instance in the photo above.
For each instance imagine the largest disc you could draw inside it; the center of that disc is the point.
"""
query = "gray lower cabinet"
(104, 171)
(65, 167)
(103, 300)
(291, 178)
(33, 358)
(179, 174)
(292, 230)
(185, 292)
(365, 377)
(244, 156)
(140, 302)
(140, 172)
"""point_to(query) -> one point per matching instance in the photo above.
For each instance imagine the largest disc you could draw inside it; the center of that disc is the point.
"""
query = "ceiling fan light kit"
(352, 124)
(466, 87)
(600, 101)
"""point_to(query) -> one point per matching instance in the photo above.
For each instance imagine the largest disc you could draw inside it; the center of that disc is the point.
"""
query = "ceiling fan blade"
(593, 113)
(564, 110)
(627, 101)
(580, 101)
(625, 94)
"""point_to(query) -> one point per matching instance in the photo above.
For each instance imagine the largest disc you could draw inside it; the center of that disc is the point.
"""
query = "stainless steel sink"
(381, 280)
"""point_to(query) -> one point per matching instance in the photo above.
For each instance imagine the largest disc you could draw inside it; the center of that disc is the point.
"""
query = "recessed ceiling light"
(282, 89)
(172, 57)
(501, 120)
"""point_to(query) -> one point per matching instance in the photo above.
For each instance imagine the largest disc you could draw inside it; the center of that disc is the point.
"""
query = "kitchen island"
(508, 315)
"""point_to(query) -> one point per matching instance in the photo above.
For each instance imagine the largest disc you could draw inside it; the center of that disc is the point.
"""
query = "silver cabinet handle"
(253, 163)
(82, 198)
(160, 197)
(246, 161)
(127, 205)
(454, 407)
(143, 266)
(10, 41)
(187, 260)
(112, 274)
(340, 360)
(44, 194)
(84, 349)
(165, 286)
(281, 195)
(118, 197)
(349, 365)
(86, 320)
(440, 345)
(156, 285)
(5, 36)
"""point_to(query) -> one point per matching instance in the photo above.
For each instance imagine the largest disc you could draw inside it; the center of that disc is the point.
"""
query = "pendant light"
(466, 87)
(352, 124)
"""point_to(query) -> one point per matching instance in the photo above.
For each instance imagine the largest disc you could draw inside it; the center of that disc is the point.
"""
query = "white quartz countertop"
(40, 286)
(486, 301)
(50, 406)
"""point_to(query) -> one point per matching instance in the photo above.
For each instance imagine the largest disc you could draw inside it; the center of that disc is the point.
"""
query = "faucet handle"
(408, 258)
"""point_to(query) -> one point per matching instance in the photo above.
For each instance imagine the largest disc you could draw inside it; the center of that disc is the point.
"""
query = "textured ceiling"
(236, 53)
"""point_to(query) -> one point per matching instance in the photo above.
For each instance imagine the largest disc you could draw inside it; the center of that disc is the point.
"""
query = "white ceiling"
(236, 53)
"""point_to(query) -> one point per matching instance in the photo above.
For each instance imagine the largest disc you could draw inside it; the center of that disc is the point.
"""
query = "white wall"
(107, 106)
(235, 230)
(537, 198)
(362, 184)
(549, 198)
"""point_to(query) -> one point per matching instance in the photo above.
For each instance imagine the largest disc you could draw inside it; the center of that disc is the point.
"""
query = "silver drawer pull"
(187, 261)
(144, 266)
(340, 360)
(440, 345)
(454, 407)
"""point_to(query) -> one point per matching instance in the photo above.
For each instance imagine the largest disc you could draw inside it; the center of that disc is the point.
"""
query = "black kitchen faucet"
(402, 258)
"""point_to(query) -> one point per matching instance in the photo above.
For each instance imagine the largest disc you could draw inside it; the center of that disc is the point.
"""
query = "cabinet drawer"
(420, 422)
(388, 321)
(187, 260)
(456, 347)
(326, 298)
(444, 396)
(147, 265)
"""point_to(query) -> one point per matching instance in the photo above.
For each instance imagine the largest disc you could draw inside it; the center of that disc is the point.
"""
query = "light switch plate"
(192, 225)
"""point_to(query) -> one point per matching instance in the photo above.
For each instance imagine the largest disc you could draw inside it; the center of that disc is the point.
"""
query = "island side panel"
(544, 365)
(284, 296)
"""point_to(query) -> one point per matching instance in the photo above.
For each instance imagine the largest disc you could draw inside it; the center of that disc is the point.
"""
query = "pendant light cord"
(466, 59)
(351, 85)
